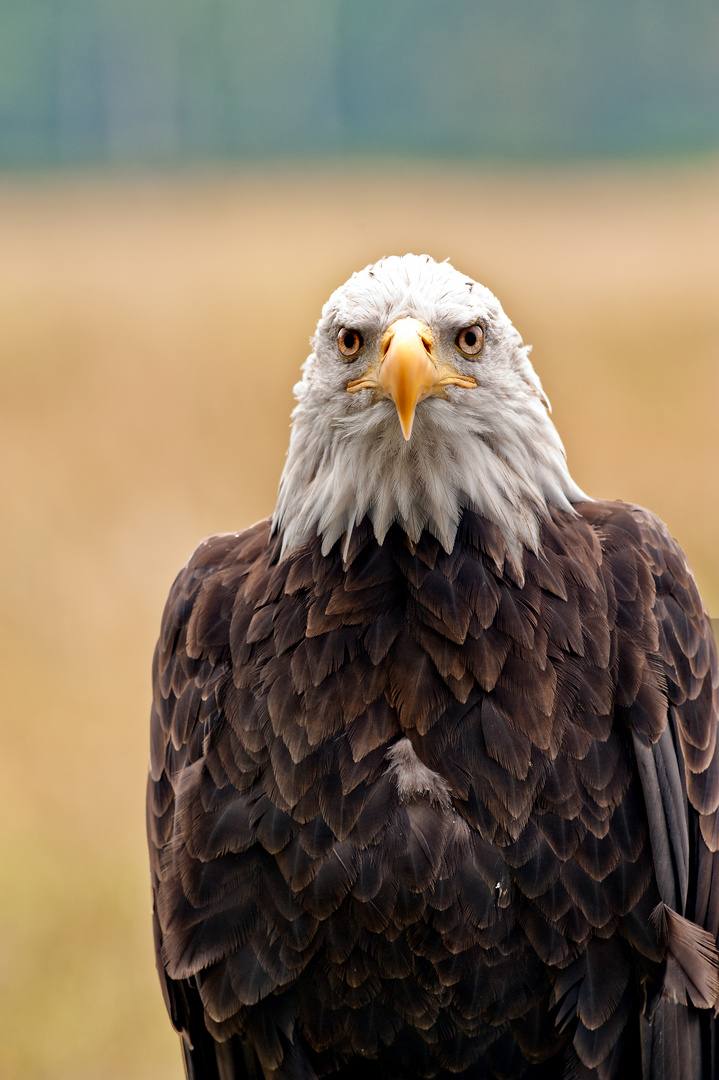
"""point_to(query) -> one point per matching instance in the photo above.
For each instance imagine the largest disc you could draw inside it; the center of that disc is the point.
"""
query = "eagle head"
(417, 401)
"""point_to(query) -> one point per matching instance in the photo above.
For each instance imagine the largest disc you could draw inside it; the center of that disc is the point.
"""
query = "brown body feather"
(411, 811)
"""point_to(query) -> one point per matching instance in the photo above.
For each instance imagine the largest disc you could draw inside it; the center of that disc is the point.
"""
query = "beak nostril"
(387, 341)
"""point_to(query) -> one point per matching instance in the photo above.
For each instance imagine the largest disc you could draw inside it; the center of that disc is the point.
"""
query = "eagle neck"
(366, 469)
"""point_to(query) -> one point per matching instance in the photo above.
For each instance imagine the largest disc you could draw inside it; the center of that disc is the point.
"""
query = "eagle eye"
(470, 341)
(349, 342)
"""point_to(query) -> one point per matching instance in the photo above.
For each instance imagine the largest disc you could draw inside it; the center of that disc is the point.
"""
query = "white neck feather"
(363, 467)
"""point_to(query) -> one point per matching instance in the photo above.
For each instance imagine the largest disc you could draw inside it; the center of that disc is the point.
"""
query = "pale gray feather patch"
(413, 778)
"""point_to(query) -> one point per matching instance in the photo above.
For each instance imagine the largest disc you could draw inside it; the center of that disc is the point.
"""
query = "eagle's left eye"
(470, 341)
(349, 342)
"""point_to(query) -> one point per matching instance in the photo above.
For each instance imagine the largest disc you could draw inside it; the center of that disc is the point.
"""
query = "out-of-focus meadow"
(150, 334)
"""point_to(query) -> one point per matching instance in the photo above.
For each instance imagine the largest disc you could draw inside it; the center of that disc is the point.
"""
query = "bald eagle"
(434, 780)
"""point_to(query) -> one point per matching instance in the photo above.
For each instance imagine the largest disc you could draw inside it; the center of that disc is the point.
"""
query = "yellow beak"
(408, 371)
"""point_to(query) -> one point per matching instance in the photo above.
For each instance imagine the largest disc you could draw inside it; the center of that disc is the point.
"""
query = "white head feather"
(492, 449)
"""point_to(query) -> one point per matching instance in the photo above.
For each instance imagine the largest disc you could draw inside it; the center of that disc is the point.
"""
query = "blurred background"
(182, 184)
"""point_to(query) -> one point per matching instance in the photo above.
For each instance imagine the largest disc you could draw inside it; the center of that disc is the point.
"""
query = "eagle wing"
(187, 705)
(678, 766)
(677, 760)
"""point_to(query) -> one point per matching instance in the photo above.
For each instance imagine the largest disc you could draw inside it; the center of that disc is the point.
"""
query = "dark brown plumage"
(415, 813)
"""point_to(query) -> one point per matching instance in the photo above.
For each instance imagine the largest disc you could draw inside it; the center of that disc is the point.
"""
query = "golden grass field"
(150, 334)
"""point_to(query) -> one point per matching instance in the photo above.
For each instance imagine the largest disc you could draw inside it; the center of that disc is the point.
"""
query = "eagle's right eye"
(470, 341)
(349, 342)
